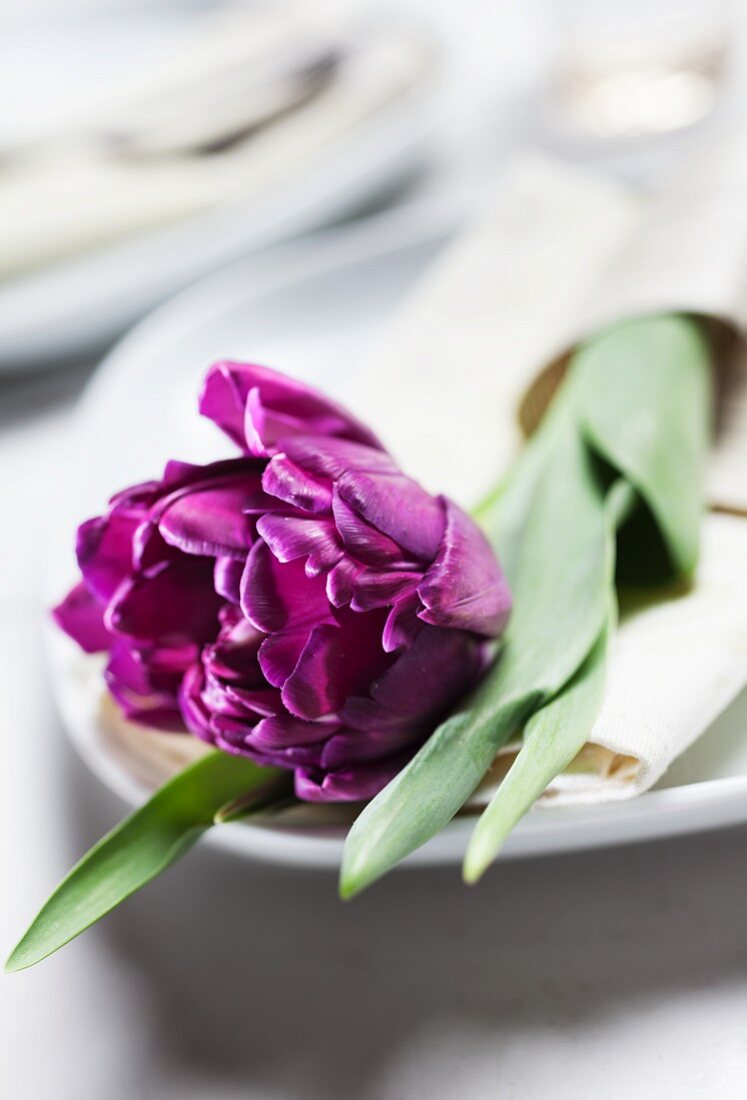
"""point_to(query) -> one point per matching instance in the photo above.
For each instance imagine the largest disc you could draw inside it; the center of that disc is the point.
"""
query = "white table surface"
(610, 974)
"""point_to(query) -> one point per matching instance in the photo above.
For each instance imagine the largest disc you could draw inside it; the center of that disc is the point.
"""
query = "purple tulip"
(305, 604)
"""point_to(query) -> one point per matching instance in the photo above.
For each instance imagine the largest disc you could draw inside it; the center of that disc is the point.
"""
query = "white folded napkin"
(560, 252)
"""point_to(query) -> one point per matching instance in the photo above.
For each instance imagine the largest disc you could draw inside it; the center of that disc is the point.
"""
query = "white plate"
(312, 310)
(80, 304)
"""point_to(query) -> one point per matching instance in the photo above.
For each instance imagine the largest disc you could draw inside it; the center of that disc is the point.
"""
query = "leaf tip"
(346, 889)
(472, 870)
(362, 865)
(19, 959)
(354, 878)
(481, 852)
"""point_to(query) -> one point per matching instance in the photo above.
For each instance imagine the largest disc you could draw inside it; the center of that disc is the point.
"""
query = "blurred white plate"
(312, 309)
(78, 305)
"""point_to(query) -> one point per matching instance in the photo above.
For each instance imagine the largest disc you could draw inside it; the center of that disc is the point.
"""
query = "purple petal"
(365, 715)
(236, 738)
(465, 586)
(262, 702)
(338, 660)
(183, 479)
(331, 458)
(364, 542)
(134, 500)
(288, 482)
(315, 686)
(283, 732)
(194, 712)
(275, 595)
(104, 551)
(166, 664)
(211, 519)
(349, 784)
(341, 582)
(354, 747)
(190, 475)
(265, 428)
(293, 537)
(233, 657)
(144, 695)
(223, 704)
(170, 604)
(278, 654)
(223, 400)
(227, 578)
(443, 663)
(402, 623)
(82, 618)
(258, 408)
(176, 472)
(397, 506)
(382, 589)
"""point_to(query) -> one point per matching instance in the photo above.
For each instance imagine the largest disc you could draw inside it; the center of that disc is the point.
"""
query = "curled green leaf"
(645, 406)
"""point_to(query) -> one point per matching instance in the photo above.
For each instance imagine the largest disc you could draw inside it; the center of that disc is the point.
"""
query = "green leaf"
(505, 512)
(644, 401)
(279, 797)
(560, 585)
(552, 738)
(555, 733)
(138, 849)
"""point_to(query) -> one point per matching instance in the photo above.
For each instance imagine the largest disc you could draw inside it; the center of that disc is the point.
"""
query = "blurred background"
(144, 146)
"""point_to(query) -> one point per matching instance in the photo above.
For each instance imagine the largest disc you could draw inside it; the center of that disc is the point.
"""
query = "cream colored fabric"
(444, 386)
(560, 252)
(676, 662)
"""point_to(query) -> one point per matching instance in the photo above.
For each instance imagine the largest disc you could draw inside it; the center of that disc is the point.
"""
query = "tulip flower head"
(304, 603)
